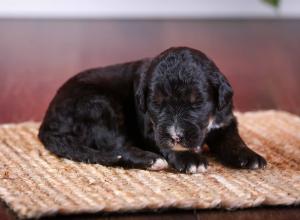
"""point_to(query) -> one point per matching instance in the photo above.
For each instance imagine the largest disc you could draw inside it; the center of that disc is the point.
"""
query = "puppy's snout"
(176, 134)
(176, 138)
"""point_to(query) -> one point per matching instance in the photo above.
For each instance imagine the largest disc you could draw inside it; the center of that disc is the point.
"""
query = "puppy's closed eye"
(195, 98)
(159, 98)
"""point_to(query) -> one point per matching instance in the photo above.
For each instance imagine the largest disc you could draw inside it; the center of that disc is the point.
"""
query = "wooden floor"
(260, 58)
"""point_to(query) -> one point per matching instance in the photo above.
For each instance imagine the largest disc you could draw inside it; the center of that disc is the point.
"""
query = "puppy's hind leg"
(113, 150)
(116, 149)
(110, 150)
(72, 147)
(90, 134)
(136, 158)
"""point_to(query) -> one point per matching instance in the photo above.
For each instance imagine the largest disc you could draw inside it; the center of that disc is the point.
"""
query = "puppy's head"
(182, 92)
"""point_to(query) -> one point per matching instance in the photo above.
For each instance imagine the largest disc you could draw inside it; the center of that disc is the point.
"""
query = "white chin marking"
(159, 164)
(200, 169)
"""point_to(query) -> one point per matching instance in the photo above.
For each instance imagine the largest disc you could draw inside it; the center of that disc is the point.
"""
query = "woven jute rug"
(35, 183)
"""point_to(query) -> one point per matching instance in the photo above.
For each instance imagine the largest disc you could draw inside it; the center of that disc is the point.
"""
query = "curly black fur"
(136, 113)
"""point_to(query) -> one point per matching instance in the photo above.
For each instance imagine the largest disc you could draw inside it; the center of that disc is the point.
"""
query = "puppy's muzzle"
(176, 138)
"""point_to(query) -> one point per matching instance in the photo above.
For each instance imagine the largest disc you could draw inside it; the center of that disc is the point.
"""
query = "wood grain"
(260, 58)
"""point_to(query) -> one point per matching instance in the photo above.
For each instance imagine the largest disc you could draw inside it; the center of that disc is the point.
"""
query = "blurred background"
(255, 43)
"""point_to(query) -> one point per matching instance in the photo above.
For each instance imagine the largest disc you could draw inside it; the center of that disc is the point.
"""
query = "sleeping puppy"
(149, 114)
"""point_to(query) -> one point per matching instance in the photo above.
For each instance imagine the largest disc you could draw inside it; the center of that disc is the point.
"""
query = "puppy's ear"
(222, 88)
(141, 93)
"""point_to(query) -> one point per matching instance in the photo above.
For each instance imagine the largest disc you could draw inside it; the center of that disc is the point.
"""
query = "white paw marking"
(200, 169)
(192, 169)
(254, 166)
(243, 163)
(159, 164)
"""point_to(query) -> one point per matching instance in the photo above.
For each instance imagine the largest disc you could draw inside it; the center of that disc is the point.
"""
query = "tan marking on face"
(193, 97)
(158, 97)
(152, 122)
(179, 147)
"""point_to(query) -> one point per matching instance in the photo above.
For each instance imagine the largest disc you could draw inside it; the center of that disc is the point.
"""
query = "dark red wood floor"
(261, 59)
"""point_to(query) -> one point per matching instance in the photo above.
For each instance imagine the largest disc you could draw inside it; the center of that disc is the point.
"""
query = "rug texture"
(35, 183)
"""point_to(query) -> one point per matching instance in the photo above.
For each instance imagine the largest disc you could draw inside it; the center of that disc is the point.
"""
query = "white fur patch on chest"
(213, 125)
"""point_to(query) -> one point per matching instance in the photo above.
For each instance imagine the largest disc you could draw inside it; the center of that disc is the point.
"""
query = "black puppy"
(148, 114)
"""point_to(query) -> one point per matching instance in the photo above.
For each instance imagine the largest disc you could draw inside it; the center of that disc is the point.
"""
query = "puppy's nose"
(177, 138)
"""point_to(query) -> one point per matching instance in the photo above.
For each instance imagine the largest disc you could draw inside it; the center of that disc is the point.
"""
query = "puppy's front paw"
(188, 162)
(159, 164)
(248, 159)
